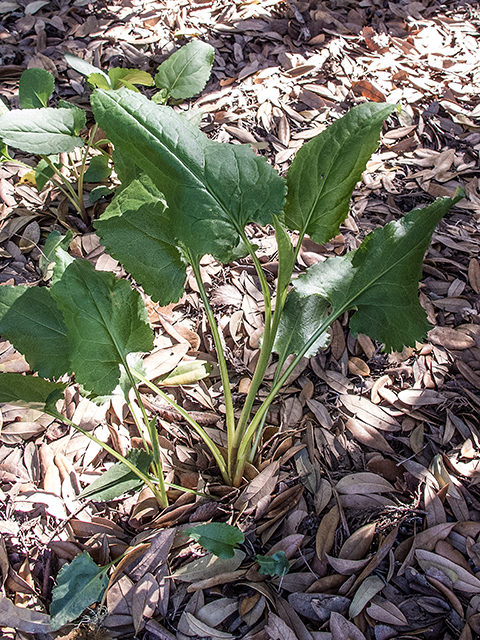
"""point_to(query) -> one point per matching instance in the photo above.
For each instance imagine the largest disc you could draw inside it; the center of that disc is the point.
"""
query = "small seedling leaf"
(105, 318)
(28, 391)
(187, 373)
(82, 66)
(275, 565)
(98, 169)
(41, 131)
(185, 72)
(128, 77)
(79, 584)
(218, 538)
(119, 479)
(35, 88)
(54, 241)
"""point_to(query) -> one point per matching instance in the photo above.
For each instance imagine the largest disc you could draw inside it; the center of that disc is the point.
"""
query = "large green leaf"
(31, 320)
(79, 584)
(105, 319)
(325, 171)
(219, 538)
(29, 391)
(41, 131)
(135, 229)
(212, 189)
(301, 317)
(380, 279)
(119, 478)
(186, 71)
(35, 88)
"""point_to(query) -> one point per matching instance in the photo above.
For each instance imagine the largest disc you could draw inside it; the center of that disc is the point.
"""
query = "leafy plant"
(275, 565)
(183, 196)
(218, 538)
(54, 134)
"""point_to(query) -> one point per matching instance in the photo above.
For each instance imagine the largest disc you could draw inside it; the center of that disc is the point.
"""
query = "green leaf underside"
(274, 565)
(118, 479)
(185, 73)
(301, 317)
(120, 77)
(29, 391)
(325, 171)
(32, 322)
(218, 538)
(212, 189)
(380, 279)
(98, 169)
(105, 319)
(135, 230)
(79, 584)
(35, 88)
(41, 131)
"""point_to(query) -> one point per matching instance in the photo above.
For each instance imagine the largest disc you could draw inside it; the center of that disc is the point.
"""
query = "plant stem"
(163, 502)
(81, 173)
(243, 450)
(222, 364)
(201, 432)
(71, 195)
(265, 350)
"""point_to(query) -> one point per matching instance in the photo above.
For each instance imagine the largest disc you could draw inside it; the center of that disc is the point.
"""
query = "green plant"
(54, 134)
(184, 196)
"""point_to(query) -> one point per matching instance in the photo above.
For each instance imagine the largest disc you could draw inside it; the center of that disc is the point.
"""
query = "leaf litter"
(369, 468)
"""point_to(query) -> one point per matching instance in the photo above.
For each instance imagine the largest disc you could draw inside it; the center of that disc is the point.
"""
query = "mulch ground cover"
(368, 471)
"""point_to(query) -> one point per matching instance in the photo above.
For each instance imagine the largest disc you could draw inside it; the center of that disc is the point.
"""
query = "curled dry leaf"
(420, 397)
(208, 566)
(386, 612)
(370, 413)
(368, 435)
(217, 611)
(450, 338)
(474, 274)
(358, 367)
(357, 545)
(346, 567)
(341, 628)
(325, 537)
(23, 620)
(461, 579)
(278, 630)
(468, 373)
(361, 483)
(318, 606)
(144, 600)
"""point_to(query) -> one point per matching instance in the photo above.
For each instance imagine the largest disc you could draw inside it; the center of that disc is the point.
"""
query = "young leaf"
(187, 373)
(119, 479)
(44, 172)
(301, 317)
(83, 67)
(41, 131)
(128, 78)
(380, 279)
(212, 190)
(79, 584)
(35, 88)
(55, 240)
(135, 229)
(99, 80)
(32, 322)
(29, 391)
(186, 71)
(274, 565)
(98, 169)
(105, 319)
(218, 538)
(325, 171)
